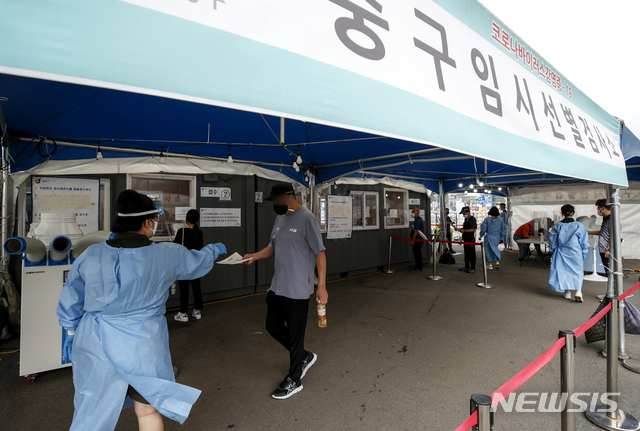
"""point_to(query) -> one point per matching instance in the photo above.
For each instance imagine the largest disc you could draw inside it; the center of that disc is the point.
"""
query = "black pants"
(470, 256)
(605, 263)
(417, 253)
(449, 239)
(287, 323)
(184, 294)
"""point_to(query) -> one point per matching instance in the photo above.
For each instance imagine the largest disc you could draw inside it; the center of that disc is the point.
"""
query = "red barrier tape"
(459, 242)
(409, 239)
(439, 241)
(519, 379)
(628, 292)
(589, 323)
(516, 381)
(471, 421)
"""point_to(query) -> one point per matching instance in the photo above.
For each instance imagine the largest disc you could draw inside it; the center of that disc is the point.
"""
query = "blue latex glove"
(66, 348)
(221, 248)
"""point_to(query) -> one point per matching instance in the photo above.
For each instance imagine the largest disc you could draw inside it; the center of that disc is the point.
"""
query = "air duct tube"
(59, 249)
(34, 248)
(90, 239)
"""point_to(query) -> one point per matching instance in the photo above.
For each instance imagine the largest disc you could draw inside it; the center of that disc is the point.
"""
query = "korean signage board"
(439, 72)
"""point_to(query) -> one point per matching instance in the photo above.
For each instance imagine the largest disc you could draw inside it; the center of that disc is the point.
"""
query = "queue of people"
(112, 309)
(568, 244)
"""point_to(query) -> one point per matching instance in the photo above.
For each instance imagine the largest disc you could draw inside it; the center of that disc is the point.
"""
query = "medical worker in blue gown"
(112, 307)
(569, 243)
(494, 231)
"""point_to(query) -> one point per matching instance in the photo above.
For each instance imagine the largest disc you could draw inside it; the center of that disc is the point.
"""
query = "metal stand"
(389, 270)
(616, 420)
(632, 365)
(594, 275)
(486, 284)
(434, 256)
(616, 262)
(568, 380)
(482, 404)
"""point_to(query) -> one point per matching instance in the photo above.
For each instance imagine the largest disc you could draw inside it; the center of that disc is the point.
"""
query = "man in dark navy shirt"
(469, 235)
(418, 226)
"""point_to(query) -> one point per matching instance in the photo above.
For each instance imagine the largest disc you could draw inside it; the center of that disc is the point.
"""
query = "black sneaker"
(464, 269)
(287, 388)
(308, 362)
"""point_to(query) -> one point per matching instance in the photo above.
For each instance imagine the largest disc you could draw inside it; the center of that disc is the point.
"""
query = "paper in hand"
(234, 259)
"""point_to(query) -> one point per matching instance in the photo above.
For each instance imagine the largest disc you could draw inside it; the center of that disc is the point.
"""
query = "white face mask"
(155, 227)
(600, 213)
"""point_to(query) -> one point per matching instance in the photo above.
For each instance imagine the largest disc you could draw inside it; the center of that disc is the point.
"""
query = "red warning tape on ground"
(518, 380)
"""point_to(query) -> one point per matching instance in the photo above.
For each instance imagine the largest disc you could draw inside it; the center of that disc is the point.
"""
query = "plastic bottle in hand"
(322, 315)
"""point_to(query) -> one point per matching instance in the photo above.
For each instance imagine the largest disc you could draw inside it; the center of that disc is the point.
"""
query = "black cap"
(465, 210)
(279, 190)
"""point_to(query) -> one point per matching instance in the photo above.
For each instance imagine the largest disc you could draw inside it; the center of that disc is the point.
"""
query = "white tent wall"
(527, 200)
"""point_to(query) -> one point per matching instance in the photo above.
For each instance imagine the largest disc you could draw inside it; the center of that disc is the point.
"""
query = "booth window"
(174, 191)
(365, 210)
(396, 205)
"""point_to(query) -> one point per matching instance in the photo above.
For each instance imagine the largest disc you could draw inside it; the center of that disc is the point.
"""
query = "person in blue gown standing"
(494, 231)
(112, 308)
(569, 243)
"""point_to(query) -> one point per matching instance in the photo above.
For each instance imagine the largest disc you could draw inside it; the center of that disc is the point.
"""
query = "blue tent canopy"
(121, 122)
(630, 146)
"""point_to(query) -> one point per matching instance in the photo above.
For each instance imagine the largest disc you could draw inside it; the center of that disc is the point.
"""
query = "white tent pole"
(281, 130)
(443, 217)
(157, 153)
(508, 244)
(5, 206)
(313, 192)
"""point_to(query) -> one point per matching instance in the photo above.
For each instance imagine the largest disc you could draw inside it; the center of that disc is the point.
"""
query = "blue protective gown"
(495, 230)
(115, 300)
(569, 243)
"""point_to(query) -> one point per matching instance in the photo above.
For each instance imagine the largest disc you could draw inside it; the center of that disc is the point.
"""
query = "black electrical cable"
(46, 155)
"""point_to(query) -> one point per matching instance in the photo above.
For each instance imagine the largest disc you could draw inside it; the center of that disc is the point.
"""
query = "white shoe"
(181, 317)
(578, 296)
(196, 314)
(567, 295)
(489, 266)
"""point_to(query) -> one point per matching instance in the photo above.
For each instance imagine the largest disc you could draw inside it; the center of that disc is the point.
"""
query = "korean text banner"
(439, 72)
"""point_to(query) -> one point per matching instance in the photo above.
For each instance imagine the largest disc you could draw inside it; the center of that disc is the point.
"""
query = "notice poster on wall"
(181, 213)
(340, 209)
(78, 196)
(220, 217)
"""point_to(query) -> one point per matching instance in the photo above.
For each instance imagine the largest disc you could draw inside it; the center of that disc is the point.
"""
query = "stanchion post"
(434, 256)
(617, 419)
(482, 404)
(486, 284)
(389, 270)
(568, 380)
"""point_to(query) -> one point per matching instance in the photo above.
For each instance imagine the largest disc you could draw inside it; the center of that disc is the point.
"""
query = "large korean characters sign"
(438, 72)
(478, 76)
